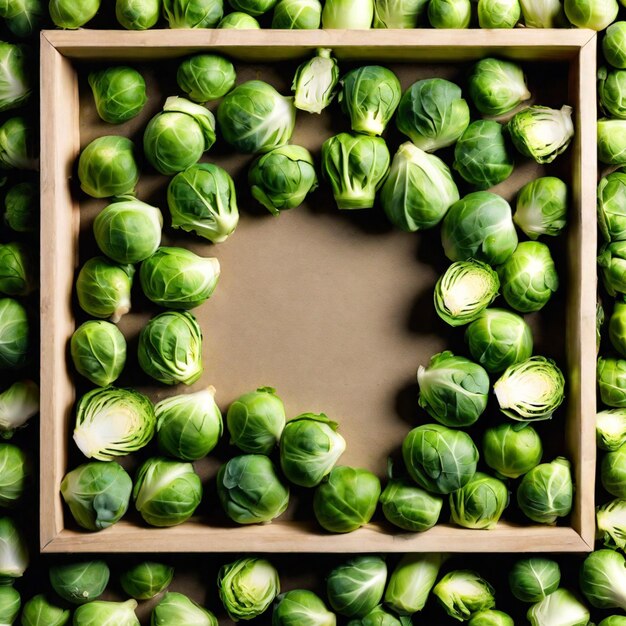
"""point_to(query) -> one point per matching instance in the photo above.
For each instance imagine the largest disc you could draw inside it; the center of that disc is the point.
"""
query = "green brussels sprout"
(39, 611)
(613, 472)
(614, 45)
(193, 13)
(542, 207)
(189, 425)
(309, 448)
(481, 155)
(498, 13)
(24, 17)
(612, 206)
(247, 587)
(315, 81)
(611, 86)
(599, 324)
(611, 374)
(81, 582)
(612, 264)
(282, 178)
(13, 552)
(453, 389)
(170, 348)
(18, 403)
(15, 75)
(137, 14)
(202, 200)
(253, 7)
(146, 580)
(349, 14)
(532, 579)
(101, 613)
(545, 492)
(119, 93)
(356, 167)
(97, 493)
(610, 429)
(239, 20)
(103, 288)
(297, 14)
(10, 603)
(542, 133)
(346, 499)
(399, 13)
(432, 113)
(254, 117)
(542, 13)
(18, 145)
(378, 616)
(177, 608)
(560, 607)
(462, 593)
(611, 524)
(22, 210)
(166, 492)
(480, 502)
(112, 422)
(250, 490)
(17, 270)
(300, 607)
(419, 189)
(72, 14)
(14, 335)
(14, 474)
(617, 329)
(205, 77)
(411, 581)
(613, 620)
(512, 449)
(449, 13)
(356, 587)
(530, 390)
(612, 141)
(603, 579)
(369, 95)
(528, 277)
(593, 14)
(176, 138)
(491, 617)
(409, 507)
(256, 420)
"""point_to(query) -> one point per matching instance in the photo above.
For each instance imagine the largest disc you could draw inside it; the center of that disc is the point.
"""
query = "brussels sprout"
(356, 167)
(176, 138)
(39, 611)
(594, 14)
(612, 141)
(112, 422)
(411, 581)
(166, 493)
(346, 499)
(612, 206)
(170, 348)
(603, 579)
(439, 459)
(351, 14)
(22, 210)
(611, 429)
(193, 13)
(613, 472)
(399, 13)
(14, 473)
(479, 226)
(611, 524)
(119, 93)
(449, 13)
(250, 490)
(18, 145)
(409, 507)
(177, 608)
(10, 603)
(190, 425)
(14, 335)
(146, 580)
(432, 113)
(247, 587)
(599, 324)
(315, 81)
(26, 17)
(559, 607)
(512, 449)
(613, 620)
(614, 44)
(611, 374)
(611, 86)
(612, 264)
(542, 133)
(72, 14)
(101, 613)
(491, 617)
(498, 13)
(81, 582)
(13, 552)
(462, 593)
(205, 77)
(17, 270)
(542, 13)
(15, 78)
(18, 403)
(419, 189)
(531, 580)
(542, 207)
(239, 20)
(480, 502)
(282, 178)
(356, 587)
(202, 200)
(137, 14)
(256, 420)
(617, 328)
(300, 607)
(297, 14)
(379, 616)
(253, 7)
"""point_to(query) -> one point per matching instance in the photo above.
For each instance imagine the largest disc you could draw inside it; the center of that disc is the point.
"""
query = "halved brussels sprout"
(137, 14)
(315, 82)
(542, 207)
(610, 429)
(480, 502)
(512, 449)
(497, 86)
(80, 582)
(205, 77)
(411, 581)
(462, 593)
(611, 524)
(193, 13)
(532, 579)
(119, 92)
(146, 580)
(14, 335)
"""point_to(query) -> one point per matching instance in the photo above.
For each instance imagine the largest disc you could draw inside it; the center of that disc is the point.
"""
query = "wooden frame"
(60, 145)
